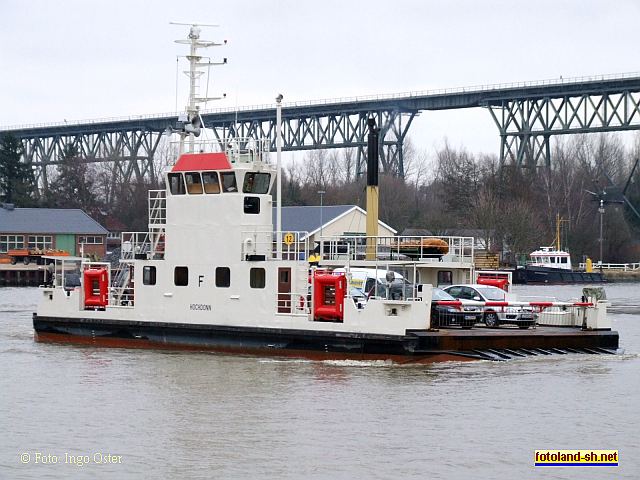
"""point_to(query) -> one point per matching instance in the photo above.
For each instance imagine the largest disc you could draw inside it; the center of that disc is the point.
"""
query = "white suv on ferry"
(523, 317)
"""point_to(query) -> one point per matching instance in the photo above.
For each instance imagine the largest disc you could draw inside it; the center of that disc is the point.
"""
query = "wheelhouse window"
(9, 242)
(228, 182)
(223, 277)
(194, 183)
(176, 184)
(181, 276)
(256, 183)
(563, 259)
(251, 205)
(149, 275)
(211, 182)
(42, 242)
(257, 278)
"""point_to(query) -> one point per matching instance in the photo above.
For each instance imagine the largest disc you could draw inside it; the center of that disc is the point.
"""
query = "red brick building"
(71, 230)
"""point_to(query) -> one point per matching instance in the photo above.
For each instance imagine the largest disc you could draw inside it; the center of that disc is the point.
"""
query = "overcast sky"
(84, 59)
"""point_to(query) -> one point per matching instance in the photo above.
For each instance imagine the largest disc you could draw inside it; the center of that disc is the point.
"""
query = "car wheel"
(491, 319)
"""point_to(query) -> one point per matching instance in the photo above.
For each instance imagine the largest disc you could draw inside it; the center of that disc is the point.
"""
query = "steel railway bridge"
(527, 114)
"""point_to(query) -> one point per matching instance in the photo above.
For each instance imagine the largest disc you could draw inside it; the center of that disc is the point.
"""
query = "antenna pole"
(193, 123)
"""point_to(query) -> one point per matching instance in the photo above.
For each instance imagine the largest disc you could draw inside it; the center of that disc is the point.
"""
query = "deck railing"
(421, 249)
(261, 244)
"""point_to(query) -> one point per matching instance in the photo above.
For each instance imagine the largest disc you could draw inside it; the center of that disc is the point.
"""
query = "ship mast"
(192, 120)
(559, 221)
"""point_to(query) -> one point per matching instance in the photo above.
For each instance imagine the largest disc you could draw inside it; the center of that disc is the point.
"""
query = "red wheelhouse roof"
(189, 162)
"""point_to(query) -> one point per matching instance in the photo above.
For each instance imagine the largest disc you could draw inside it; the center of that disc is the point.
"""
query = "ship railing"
(625, 267)
(143, 245)
(261, 243)
(546, 313)
(157, 208)
(121, 293)
(293, 303)
(237, 149)
(417, 249)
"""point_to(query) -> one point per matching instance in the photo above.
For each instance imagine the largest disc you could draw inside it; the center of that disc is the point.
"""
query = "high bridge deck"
(526, 114)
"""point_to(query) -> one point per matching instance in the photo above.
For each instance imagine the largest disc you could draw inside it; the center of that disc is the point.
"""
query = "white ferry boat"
(212, 272)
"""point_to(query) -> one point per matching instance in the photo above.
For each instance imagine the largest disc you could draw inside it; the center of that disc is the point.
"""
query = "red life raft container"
(328, 297)
(96, 288)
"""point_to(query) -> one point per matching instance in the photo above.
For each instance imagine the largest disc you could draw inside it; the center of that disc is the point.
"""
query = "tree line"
(514, 209)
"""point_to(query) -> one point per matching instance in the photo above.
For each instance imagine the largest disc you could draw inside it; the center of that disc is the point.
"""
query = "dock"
(20, 275)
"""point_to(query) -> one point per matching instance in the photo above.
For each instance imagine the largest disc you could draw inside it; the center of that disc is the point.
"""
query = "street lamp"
(321, 193)
(601, 212)
(279, 176)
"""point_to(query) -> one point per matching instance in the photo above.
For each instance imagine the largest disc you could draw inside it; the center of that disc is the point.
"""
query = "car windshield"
(492, 293)
(439, 294)
(356, 292)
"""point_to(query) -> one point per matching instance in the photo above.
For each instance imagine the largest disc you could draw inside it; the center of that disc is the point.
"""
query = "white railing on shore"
(340, 100)
(625, 267)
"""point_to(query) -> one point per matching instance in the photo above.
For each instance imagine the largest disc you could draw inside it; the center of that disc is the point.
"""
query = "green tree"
(16, 178)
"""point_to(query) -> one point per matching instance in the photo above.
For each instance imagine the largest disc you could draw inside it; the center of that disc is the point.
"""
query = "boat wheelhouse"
(550, 257)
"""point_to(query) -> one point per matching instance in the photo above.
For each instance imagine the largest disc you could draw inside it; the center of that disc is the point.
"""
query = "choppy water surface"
(195, 415)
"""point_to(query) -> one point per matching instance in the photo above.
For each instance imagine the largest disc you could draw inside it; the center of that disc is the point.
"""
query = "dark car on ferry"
(493, 316)
(452, 315)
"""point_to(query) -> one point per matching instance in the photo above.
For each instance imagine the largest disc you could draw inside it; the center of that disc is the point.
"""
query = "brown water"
(195, 415)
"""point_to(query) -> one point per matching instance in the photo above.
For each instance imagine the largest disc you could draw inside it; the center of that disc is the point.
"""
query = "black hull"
(420, 346)
(554, 276)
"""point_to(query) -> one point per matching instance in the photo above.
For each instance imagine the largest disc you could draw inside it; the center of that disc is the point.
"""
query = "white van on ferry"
(374, 282)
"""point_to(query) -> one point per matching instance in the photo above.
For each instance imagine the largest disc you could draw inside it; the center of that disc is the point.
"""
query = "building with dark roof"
(330, 220)
(71, 230)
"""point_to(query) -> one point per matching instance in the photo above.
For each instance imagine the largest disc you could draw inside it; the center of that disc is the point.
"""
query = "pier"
(21, 275)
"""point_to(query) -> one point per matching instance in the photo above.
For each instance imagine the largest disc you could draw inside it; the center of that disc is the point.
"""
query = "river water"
(138, 414)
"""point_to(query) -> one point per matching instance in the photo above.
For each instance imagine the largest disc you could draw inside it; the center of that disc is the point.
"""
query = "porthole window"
(223, 277)
(149, 275)
(257, 278)
(252, 205)
(181, 276)
(445, 277)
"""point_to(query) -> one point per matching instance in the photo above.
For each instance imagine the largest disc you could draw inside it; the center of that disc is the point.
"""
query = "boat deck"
(505, 342)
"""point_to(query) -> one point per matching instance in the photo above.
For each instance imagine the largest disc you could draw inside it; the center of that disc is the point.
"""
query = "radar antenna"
(190, 123)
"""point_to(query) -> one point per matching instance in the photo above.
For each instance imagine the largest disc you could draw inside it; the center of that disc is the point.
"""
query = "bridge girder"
(130, 152)
(527, 115)
(327, 130)
(526, 124)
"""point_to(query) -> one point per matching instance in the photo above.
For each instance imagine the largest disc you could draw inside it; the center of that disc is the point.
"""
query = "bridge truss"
(526, 124)
(526, 114)
(129, 153)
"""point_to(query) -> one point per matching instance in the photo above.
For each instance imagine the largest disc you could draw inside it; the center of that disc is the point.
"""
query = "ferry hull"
(554, 276)
(420, 346)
